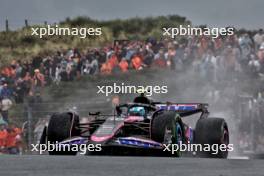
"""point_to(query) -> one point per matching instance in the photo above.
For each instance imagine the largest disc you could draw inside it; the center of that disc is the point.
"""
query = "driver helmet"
(138, 111)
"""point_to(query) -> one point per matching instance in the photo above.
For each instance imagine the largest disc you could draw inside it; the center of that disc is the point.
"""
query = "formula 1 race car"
(140, 127)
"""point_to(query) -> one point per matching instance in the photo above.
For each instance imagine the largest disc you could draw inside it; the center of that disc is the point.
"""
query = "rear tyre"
(167, 128)
(212, 132)
(61, 127)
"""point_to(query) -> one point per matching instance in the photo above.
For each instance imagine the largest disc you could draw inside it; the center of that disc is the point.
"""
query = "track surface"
(120, 166)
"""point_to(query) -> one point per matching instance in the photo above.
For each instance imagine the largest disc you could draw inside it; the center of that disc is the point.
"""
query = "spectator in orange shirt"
(3, 135)
(136, 62)
(8, 72)
(106, 68)
(123, 65)
(113, 61)
(13, 134)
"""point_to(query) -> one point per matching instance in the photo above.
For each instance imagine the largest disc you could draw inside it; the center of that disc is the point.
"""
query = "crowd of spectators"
(214, 60)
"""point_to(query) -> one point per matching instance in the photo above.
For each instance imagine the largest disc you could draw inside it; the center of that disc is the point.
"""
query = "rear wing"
(184, 109)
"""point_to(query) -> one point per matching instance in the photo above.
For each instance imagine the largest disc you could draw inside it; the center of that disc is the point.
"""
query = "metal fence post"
(7, 25)
(26, 23)
(29, 119)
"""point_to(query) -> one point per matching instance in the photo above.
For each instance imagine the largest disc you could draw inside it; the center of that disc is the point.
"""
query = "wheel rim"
(168, 135)
(173, 136)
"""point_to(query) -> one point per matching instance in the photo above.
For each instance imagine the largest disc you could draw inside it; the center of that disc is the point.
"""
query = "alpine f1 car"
(142, 126)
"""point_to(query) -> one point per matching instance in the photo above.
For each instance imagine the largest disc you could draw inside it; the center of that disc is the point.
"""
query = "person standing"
(6, 104)
(12, 138)
(3, 135)
(6, 91)
(38, 82)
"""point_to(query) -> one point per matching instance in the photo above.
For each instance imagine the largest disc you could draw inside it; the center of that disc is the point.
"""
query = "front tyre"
(62, 126)
(167, 128)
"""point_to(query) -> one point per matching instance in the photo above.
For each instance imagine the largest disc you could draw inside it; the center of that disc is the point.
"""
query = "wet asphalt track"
(125, 166)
